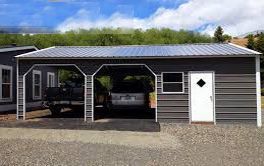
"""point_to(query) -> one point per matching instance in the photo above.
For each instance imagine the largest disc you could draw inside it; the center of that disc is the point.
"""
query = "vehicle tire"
(55, 110)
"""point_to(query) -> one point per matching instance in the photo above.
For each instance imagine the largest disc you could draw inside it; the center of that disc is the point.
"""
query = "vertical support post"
(85, 97)
(156, 98)
(92, 96)
(21, 100)
(24, 97)
(17, 93)
(88, 103)
(258, 91)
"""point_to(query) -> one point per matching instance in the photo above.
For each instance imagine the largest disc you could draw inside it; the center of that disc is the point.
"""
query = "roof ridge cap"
(145, 45)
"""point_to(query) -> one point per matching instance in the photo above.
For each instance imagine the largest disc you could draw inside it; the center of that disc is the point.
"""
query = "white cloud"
(235, 16)
(47, 8)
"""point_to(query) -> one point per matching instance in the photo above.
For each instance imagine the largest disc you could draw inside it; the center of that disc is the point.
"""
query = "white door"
(202, 96)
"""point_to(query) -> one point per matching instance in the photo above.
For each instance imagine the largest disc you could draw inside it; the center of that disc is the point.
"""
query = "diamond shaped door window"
(201, 82)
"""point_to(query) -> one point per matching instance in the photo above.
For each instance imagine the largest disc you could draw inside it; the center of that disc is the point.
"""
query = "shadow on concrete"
(138, 125)
(124, 114)
(128, 120)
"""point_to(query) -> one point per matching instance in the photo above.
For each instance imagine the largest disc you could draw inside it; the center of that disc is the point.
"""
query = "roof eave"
(146, 57)
(21, 55)
(18, 48)
(247, 49)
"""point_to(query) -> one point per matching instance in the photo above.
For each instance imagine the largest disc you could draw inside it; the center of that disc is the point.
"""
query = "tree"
(227, 37)
(105, 82)
(251, 42)
(218, 35)
(259, 45)
(107, 36)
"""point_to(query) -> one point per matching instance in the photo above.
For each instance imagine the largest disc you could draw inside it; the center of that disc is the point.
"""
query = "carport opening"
(54, 92)
(124, 92)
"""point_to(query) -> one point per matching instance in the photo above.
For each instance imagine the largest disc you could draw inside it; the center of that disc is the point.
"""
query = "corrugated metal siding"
(173, 106)
(235, 97)
(234, 83)
(235, 89)
(235, 100)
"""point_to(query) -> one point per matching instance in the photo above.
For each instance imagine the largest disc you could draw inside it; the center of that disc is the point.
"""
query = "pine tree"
(218, 35)
(260, 43)
(251, 42)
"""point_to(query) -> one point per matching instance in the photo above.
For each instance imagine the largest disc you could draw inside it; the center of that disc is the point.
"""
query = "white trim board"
(92, 97)
(37, 50)
(258, 92)
(17, 90)
(125, 64)
(85, 96)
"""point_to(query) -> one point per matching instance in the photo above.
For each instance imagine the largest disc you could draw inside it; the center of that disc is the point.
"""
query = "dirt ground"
(11, 116)
(41, 141)
(175, 144)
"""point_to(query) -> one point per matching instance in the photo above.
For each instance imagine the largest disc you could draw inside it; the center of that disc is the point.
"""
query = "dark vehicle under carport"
(129, 95)
(128, 89)
(57, 98)
(69, 92)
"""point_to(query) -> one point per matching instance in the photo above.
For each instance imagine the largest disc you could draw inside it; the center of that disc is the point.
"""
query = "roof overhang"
(40, 54)
(244, 48)
(17, 48)
(145, 57)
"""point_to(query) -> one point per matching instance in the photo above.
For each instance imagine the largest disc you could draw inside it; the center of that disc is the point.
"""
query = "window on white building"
(50, 79)
(36, 84)
(6, 83)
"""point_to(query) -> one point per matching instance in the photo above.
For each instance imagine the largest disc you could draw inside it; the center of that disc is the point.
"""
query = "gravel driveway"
(176, 144)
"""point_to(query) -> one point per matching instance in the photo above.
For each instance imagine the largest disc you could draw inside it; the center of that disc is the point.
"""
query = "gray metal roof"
(185, 50)
(16, 48)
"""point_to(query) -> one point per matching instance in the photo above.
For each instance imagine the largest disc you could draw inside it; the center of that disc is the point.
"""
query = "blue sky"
(201, 15)
(52, 12)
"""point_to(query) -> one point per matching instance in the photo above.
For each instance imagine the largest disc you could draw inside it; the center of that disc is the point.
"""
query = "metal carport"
(174, 107)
